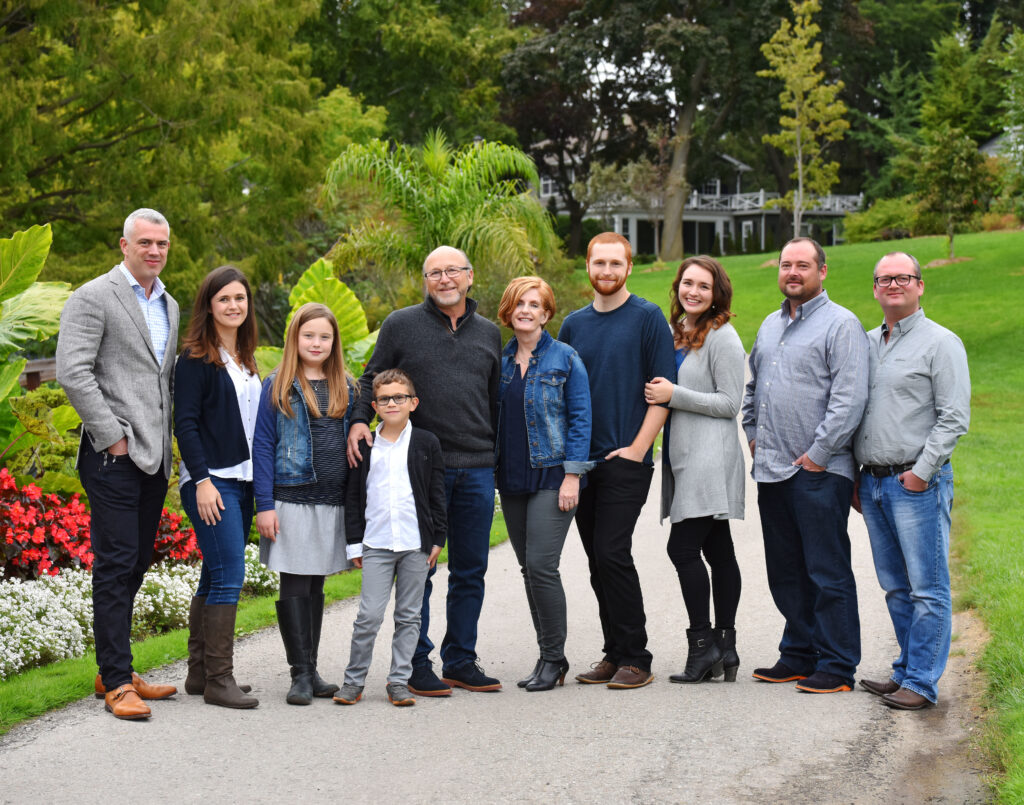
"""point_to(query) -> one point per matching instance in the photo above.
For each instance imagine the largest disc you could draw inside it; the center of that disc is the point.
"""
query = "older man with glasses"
(453, 356)
(918, 407)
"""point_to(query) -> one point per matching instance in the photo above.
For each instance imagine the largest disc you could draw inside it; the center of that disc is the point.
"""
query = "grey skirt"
(311, 541)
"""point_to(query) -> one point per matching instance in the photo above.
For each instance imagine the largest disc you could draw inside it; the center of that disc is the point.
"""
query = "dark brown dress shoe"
(599, 673)
(629, 676)
(879, 688)
(904, 699)
(125, 703)
(142, 687)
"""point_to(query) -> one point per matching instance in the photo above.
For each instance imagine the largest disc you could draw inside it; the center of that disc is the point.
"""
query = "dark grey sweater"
(456, 375)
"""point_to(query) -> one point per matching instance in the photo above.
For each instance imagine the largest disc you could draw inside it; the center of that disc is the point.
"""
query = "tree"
(433, 64)
(815, 113)
(950, 176)
(1013, 102)
(474, 198)
(203, 109)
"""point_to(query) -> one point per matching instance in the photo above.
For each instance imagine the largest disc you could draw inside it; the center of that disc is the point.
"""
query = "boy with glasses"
(395, 525)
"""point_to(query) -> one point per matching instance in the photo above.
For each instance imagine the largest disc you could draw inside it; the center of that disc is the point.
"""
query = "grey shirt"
(807, 390)
(919, 401)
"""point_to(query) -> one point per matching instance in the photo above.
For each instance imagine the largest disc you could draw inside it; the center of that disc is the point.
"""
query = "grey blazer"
(112, 376)
(705, 476)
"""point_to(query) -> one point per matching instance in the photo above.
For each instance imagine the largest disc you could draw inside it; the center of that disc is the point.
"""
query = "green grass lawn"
(981, 299)
(40, 690)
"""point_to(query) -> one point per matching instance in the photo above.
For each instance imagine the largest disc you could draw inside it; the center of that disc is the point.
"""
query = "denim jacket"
(282, 446)
(557, 400)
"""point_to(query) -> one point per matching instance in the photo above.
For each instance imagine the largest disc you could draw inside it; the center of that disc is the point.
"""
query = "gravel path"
(717, 742)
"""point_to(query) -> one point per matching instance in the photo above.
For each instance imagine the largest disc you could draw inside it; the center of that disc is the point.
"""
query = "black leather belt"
(885, 470)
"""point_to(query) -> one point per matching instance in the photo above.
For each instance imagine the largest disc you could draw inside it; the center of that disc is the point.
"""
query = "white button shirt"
(391, 522)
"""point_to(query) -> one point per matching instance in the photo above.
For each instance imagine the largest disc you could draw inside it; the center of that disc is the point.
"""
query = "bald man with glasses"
(918, 408)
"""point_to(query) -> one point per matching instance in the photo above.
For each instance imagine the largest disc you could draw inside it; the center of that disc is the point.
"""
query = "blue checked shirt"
(807, 391)
(154, 311)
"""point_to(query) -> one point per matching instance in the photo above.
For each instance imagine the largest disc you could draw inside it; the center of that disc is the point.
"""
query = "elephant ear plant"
(29, 312)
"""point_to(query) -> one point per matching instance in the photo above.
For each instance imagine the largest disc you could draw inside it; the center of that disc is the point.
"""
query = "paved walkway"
(742, 742)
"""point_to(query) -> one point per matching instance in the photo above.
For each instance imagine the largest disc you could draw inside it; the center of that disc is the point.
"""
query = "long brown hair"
(712, 318)
(201, 340)
(291, 368)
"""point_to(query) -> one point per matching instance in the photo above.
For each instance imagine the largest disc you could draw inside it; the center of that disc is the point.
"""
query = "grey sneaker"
(349, 694)
(399, 695)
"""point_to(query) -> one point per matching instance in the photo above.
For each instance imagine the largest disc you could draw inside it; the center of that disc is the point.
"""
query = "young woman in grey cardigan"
(702, 480)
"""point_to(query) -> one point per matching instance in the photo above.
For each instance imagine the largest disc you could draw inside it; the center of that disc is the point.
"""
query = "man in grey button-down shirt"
(918, 407)
(805, 398)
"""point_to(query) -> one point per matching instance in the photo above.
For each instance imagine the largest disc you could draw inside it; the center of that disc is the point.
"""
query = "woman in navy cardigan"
(216, 397)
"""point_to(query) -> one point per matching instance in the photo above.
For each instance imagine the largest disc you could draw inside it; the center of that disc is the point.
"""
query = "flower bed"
(50, 618)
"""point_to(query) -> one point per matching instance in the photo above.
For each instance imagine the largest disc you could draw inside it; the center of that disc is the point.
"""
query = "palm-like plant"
(474, 198)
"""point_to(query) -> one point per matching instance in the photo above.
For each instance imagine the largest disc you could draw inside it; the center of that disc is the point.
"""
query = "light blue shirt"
(154, 311)
(807, 391)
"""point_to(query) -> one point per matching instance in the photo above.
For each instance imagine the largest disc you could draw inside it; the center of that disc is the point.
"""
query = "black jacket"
(426, 477)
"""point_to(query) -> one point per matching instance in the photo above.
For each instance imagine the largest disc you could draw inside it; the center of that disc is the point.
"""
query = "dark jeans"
(537, 529)
(223, 543)
(126, 504)
(609, 506)
(470, 498)
(807, 554)
(686, 540)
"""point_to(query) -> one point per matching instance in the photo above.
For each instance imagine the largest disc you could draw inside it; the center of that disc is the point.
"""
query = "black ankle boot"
(296, 632)
(704, 659)
(522, 683)
(726, 640)
(549, 674)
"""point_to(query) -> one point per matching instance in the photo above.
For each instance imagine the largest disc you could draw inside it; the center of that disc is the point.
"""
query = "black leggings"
(294, 585)
(686, 540)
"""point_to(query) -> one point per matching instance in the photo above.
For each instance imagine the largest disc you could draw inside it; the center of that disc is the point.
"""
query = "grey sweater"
(456, 374)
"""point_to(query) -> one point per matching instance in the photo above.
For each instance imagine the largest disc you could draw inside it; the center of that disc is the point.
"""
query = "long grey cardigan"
(705, 472)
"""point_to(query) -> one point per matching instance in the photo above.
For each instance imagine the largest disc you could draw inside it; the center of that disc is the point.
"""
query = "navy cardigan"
(207, 421)
(426, 476)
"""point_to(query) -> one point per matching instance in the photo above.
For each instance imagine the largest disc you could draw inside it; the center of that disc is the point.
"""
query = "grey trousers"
(537, 529)
(408, 570)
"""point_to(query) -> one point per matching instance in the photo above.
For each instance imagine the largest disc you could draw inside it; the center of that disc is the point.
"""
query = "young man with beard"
(624, 342)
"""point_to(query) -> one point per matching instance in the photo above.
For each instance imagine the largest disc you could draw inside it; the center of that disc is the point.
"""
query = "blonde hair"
(291, 368)
(515, 291)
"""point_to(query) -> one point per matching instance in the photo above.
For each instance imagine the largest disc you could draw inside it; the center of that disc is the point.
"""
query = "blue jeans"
(909, 534)
(223, 544)
(807, 556)
(470, 498)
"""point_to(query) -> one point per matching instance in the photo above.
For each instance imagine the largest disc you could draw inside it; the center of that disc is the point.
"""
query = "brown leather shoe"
(141, 686)
(599, 673)
(125, 703)
(629, 676)
(879, 688)
(904, 699)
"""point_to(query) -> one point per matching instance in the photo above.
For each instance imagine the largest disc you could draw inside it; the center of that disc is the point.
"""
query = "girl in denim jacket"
(543, 449)
(299, 479)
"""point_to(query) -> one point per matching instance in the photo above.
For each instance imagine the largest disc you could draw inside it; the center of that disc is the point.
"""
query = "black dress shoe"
(904, 699)
(879, 688)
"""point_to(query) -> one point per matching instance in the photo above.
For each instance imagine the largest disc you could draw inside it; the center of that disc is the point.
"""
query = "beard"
(607, 288)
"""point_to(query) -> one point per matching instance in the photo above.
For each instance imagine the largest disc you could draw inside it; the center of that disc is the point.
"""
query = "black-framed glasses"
(398, 399)
(902, 280)
(451, 272)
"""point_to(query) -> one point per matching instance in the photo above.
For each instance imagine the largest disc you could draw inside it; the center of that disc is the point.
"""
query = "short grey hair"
(908, 255)
(468, 264)
(146, 214)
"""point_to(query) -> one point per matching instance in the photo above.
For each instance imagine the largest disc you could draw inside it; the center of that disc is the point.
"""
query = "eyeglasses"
(398, 399)
(902, 280)
(451, 272)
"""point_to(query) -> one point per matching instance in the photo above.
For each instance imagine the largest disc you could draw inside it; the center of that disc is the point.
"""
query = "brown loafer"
(125, 703)
(904, 699)
(629, 676)
(599, 673)
(879, 688)
(142, 687)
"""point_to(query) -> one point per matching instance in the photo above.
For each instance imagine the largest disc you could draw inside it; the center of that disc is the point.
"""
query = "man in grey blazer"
(115, 356)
